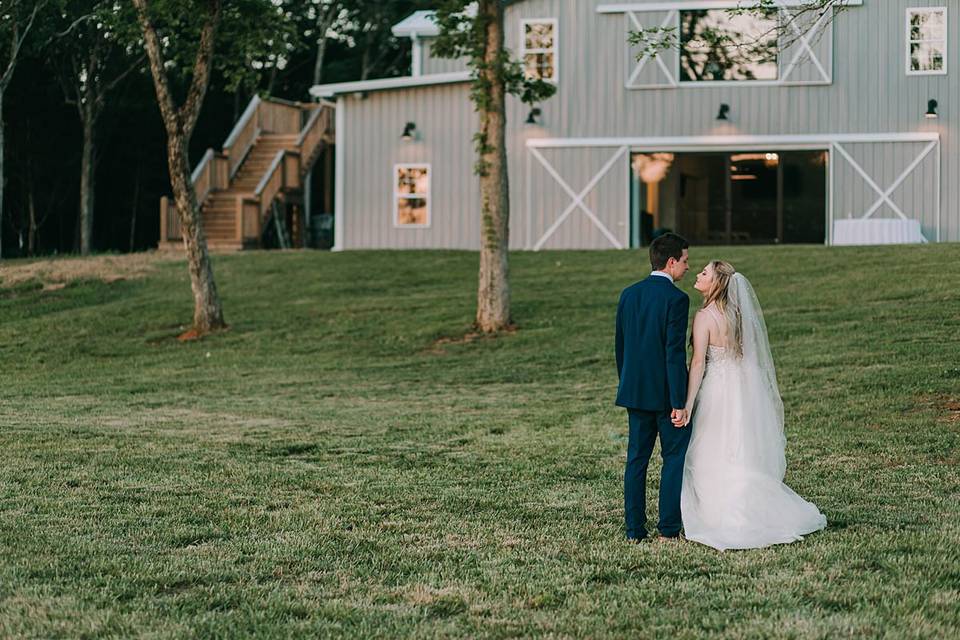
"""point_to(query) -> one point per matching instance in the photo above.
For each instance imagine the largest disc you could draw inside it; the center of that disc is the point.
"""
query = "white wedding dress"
(733, 495)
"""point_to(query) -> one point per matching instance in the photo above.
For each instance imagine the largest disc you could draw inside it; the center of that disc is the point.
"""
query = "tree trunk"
(324, 22)
(207, 311)
(365, 62)
(272, 82)
(179, 123)
(87, 178)
(493, 296)
(32, 223)
(318, 65)
(133, 210)
(3, 174)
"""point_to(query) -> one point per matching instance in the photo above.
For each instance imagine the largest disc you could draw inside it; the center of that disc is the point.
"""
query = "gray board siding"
(373, 147)
(870, 94)
(433, 64)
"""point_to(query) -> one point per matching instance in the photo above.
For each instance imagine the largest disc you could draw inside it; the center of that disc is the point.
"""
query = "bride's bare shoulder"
(707, 313)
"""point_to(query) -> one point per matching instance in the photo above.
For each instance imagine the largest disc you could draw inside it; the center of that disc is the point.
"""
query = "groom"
(652, 364)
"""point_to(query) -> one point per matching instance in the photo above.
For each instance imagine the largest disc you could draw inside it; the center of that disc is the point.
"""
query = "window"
(718, 47)
(538, 48)
(411, 195)
(927, 41)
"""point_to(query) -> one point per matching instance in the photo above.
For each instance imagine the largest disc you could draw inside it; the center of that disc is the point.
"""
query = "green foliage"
(94, 45)
(342, 463)
(253, 37)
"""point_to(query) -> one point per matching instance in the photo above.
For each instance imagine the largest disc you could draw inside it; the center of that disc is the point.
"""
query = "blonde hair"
(719, 295)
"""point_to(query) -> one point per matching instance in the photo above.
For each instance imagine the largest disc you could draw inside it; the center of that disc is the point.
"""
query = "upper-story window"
(538, 48)
(717, 46)
(411, 195)
(927, 41)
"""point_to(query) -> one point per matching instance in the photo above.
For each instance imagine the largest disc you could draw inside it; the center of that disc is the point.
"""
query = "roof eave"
(385, 84)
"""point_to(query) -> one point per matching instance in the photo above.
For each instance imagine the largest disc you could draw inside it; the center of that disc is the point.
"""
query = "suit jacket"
(651, 345)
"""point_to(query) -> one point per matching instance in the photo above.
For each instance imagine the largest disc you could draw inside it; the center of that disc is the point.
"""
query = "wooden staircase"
(260, 173)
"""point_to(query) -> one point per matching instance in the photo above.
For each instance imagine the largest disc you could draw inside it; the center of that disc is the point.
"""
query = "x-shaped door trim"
(672, 17)
(885, 193)
(577, 198)
(804, 41)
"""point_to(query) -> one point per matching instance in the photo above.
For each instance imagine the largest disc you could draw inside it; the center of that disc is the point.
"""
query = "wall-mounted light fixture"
(534, 114)
(724, 111)
(408, 132)
(931, 109)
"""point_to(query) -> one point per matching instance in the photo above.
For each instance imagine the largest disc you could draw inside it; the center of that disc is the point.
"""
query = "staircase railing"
(210, 175)
(282, 175)
(243, 136)
(215, 171)
(318, 130)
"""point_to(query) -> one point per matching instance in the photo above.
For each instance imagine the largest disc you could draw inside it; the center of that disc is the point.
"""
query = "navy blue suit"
(652, 365)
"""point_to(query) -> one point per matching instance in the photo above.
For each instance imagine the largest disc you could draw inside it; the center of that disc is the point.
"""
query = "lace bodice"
(718, 356)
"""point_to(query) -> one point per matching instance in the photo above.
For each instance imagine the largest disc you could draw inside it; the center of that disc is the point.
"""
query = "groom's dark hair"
(667, 246)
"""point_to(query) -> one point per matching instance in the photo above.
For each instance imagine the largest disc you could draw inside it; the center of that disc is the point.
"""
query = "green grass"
(325, 468)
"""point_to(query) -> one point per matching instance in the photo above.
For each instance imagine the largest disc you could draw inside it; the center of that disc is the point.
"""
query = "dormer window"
(538, 48)
(927, 41)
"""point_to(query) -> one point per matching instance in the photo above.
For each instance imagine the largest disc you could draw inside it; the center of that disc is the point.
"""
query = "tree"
(324, 16)
(370, 30)
(92, 60)
(179, 122)
(37, 203)
(17, 18)
(478, 36)
(179, 38)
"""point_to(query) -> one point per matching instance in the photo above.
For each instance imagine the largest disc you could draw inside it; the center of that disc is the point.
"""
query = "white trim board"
(667, 143)
(330, 90)
(703, 4)
(339, 174)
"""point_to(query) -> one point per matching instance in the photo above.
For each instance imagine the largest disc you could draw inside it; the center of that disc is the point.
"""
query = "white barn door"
(577, 198)
(882, 189)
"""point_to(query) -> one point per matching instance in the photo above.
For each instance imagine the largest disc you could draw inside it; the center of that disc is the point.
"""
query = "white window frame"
(908, 41)
(397, 196)
(726, 83)
(556, 45)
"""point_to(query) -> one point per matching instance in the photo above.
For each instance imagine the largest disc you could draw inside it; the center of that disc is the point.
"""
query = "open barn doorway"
(740, 197)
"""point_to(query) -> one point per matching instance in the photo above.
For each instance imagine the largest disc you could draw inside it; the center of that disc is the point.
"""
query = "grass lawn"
(340, 463)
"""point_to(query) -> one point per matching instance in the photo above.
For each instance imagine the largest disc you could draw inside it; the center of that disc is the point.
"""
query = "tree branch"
(201, 69)
(110, 86)
(17, 43)
(155, 54)
(68, 30)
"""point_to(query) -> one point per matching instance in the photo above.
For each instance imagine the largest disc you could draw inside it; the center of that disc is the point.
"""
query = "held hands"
(680, 418)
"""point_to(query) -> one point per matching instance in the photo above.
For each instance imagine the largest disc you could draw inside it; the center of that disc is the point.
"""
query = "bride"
(733, 495)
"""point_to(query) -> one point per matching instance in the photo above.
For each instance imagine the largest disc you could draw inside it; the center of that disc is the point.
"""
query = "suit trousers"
(644, 427)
